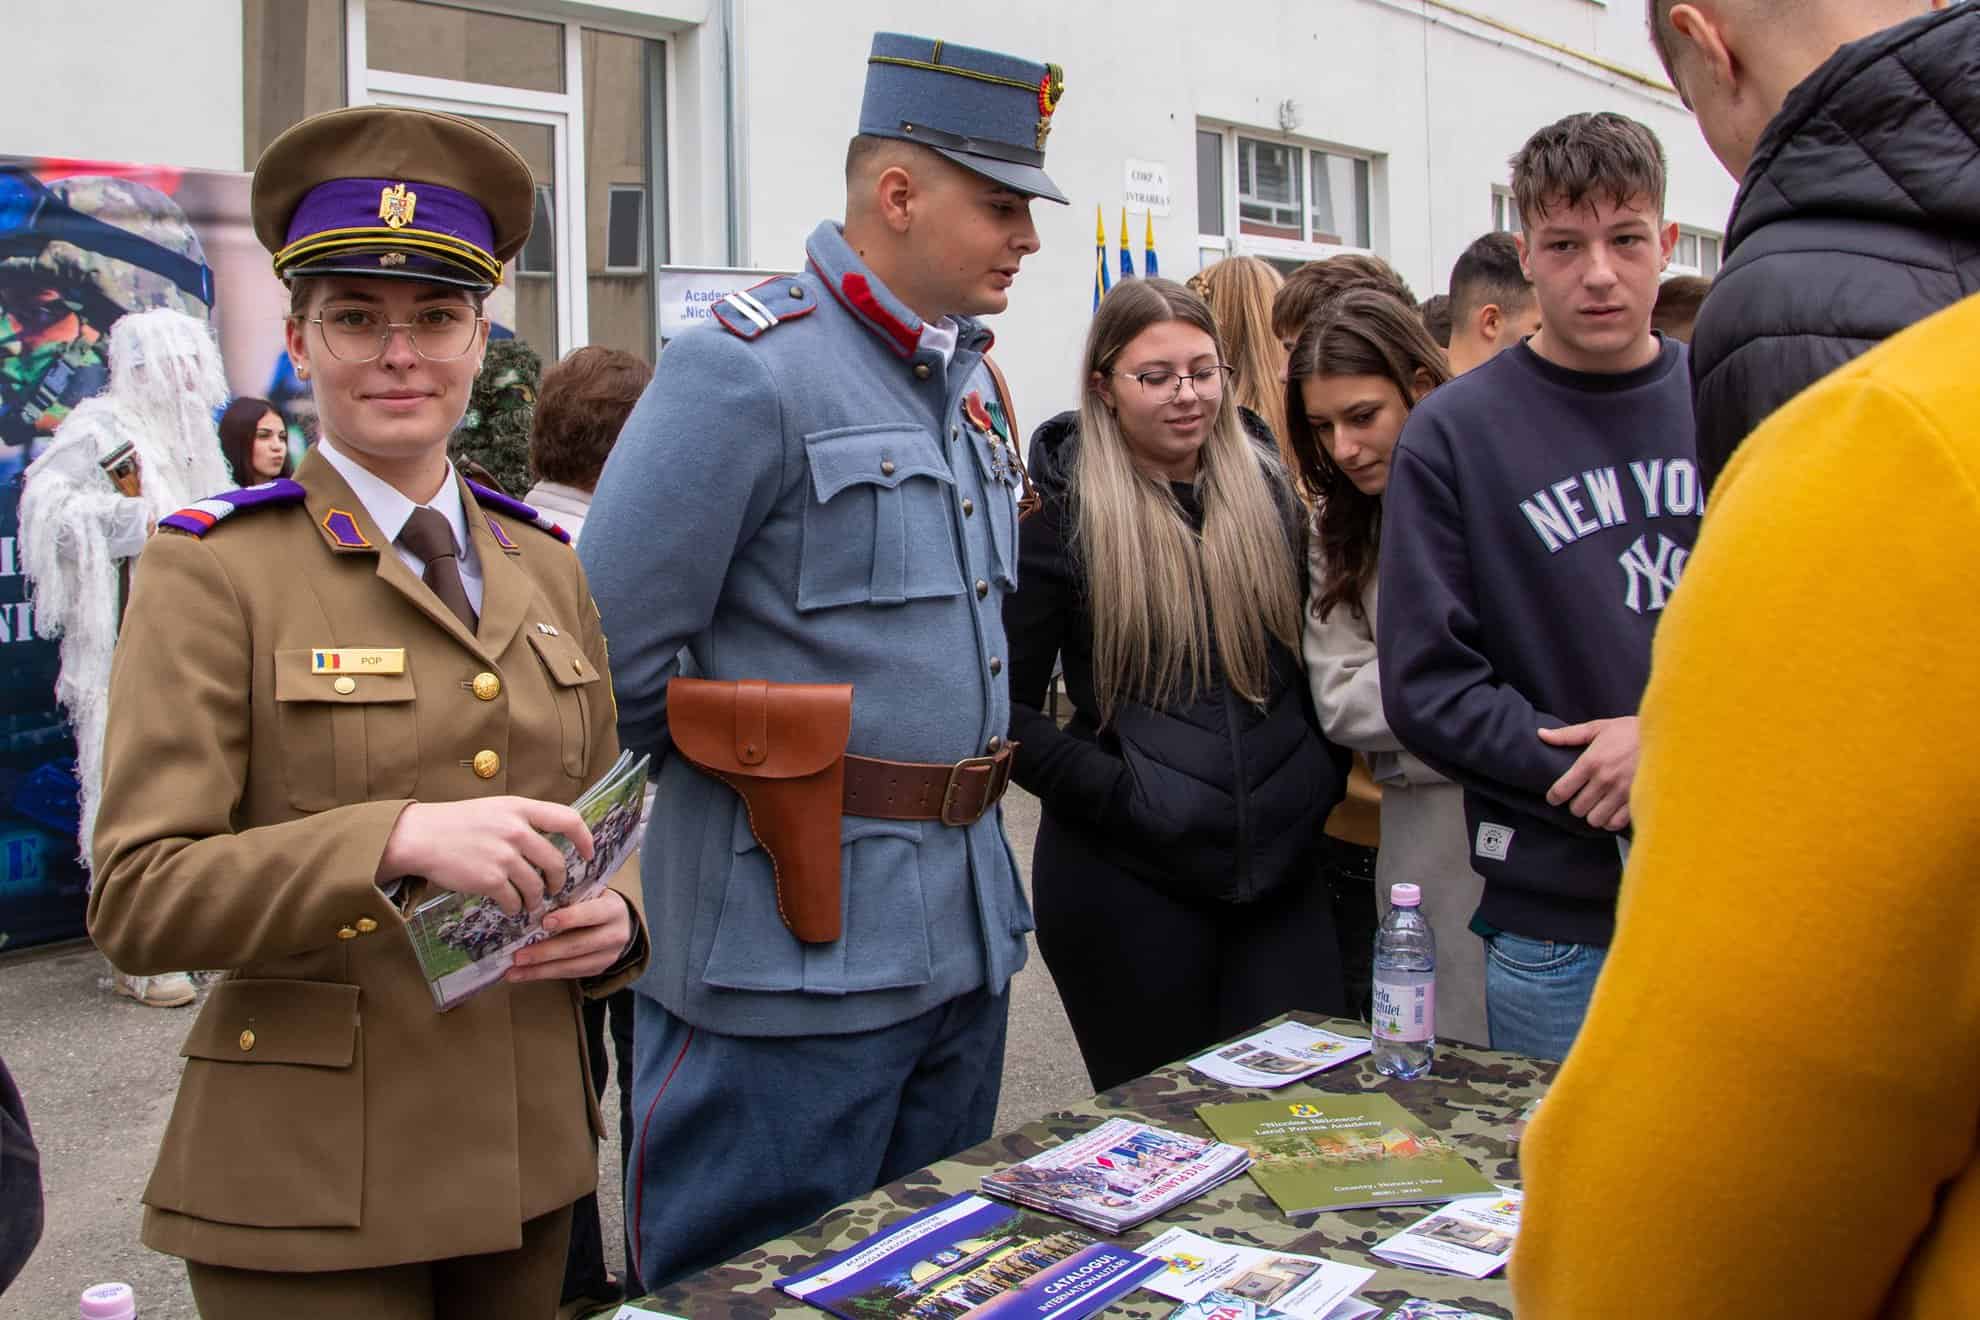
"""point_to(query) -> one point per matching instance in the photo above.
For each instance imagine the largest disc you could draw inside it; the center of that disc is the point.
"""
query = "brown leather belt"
(956, 795)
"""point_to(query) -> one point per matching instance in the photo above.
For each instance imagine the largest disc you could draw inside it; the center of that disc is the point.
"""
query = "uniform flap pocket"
(873, 455)
(266, 1021)
(563, 657)
(341, 676)
(760, 730)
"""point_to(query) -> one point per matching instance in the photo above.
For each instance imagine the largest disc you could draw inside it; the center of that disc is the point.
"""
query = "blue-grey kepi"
(987, 112)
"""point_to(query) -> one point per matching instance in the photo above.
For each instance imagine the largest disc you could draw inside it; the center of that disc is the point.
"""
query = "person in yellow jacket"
(1780, 1072)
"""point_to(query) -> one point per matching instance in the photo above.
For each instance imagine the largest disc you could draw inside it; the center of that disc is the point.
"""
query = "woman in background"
(255, 440)
(1240, 291)
(1358, 368)
(1176, 876)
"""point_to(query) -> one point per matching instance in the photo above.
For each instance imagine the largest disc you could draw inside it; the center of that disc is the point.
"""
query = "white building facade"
(712, 132)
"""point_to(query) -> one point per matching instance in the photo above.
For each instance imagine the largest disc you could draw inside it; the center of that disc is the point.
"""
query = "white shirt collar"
(389, 508)
(941, 336)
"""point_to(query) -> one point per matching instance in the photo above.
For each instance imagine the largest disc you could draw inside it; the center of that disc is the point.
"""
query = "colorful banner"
(81, 243)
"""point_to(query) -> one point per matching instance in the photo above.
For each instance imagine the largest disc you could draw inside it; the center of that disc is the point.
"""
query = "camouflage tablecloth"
(1472, 1097)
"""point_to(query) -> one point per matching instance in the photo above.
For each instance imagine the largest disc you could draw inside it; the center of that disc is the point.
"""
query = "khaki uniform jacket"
(330, 1118)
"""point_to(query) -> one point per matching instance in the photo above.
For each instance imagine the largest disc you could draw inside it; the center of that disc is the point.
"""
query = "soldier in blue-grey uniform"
(823, 487)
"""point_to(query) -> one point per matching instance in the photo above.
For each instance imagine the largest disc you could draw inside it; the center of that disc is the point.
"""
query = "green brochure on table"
(1316, 1151)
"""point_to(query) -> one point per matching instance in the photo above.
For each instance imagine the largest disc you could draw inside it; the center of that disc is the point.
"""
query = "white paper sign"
(687, 293)
(1146, 187)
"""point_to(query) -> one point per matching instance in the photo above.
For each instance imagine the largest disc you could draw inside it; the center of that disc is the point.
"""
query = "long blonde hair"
(1240, 292)
(1160, 593)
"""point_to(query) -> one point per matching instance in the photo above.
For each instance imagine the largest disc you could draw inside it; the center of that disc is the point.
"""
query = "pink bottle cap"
(109, 1301)
(1405, 895)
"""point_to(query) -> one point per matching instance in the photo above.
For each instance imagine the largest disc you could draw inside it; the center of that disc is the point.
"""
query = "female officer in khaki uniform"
(336, 696)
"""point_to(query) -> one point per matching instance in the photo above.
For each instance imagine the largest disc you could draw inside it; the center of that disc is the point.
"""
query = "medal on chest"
(988, 418)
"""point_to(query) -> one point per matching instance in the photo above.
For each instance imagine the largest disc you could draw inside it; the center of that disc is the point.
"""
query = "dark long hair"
(1364, 332)
(237, 425)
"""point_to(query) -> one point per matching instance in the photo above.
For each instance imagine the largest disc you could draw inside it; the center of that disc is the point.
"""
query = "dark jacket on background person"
(1859, 215)
(20, 1183)
(1209, 799)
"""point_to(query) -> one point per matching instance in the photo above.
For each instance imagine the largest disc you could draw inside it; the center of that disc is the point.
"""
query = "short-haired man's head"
(1585, 159)
(581, 406)
(1317, 283)
(1488, 273)
(1678, 301)
(1436, 314)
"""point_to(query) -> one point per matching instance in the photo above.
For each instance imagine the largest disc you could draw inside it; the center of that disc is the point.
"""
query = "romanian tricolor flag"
(1148, 266)
(1127, 261)
(1100, 283)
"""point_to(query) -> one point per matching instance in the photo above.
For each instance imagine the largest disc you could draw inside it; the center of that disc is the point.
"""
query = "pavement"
(98, 1073)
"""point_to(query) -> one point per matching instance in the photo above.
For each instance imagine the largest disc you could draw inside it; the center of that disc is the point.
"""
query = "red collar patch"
(859, 296)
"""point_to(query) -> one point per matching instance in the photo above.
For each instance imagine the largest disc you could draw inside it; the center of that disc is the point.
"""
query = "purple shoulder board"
(201, 518)
(515, 508)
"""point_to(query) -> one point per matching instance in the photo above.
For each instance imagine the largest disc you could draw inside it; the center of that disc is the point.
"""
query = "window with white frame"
(625, 229)
(1288, 202)
(1505, 211)
(1697, 253)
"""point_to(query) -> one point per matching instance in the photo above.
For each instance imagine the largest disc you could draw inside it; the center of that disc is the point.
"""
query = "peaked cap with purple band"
(200, 518)
(386, 191)
(515, 508)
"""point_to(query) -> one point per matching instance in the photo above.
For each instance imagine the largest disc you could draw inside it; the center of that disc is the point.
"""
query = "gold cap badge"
(395, 205)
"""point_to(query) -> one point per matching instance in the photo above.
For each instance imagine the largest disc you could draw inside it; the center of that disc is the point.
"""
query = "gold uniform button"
(346, 933)
(886, 467)
(365, 925)
(996, 665)
(577, 666)
(921, 371)
(487, 687)
(982, 588)
(345, 686)
(797, 291)
(486, 764)
(247, 1040)
(969, 507)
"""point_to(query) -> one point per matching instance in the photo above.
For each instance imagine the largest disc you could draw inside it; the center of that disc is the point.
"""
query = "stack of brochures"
(969, 1256)
(1316, 1151)
(465, 943)
(1204, 1270)
(1118, 1175)
(1472, 1237)
(1279, 1055)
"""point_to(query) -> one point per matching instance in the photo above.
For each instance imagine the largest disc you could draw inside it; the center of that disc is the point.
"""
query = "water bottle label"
(1406, 1010)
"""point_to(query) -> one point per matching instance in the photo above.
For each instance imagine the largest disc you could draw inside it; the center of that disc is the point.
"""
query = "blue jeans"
(742, 1139)
(1537, 992)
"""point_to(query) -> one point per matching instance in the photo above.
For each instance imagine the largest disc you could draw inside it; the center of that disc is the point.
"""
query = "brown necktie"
(428, 535)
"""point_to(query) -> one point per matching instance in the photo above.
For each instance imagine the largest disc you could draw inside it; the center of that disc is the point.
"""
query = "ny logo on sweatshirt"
(1652, 576)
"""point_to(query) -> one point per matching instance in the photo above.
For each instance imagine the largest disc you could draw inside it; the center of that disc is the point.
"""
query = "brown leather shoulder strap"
(1028, 502)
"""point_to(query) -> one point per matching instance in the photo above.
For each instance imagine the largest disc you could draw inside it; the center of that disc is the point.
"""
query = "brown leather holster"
(782, 748)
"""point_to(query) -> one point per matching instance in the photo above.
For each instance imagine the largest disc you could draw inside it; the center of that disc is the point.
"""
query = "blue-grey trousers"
(1537, 992)
(743, 1139)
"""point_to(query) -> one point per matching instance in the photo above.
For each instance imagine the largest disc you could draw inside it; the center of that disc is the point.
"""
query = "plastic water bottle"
(1405, 1013)
(109, 1301)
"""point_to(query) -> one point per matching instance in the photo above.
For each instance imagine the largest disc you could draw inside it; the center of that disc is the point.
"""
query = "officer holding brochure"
(336, 697)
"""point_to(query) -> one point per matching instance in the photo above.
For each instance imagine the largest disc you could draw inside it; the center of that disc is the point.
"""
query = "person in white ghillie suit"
(80, 532)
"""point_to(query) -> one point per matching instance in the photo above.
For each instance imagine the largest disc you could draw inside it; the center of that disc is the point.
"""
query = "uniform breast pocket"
(878, 529)
(573, 686)
(346, 737)
(268, 1129)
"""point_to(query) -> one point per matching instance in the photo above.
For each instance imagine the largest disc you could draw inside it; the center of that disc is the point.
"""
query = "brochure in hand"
(971, 1256)
(1118, 1175)
(1198, 1268)
(1472, 1237)
(1280, 1055)
(465, 943)
(1314, 1151)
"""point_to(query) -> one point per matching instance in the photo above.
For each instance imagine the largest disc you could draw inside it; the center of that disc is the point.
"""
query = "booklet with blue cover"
(970, 1255)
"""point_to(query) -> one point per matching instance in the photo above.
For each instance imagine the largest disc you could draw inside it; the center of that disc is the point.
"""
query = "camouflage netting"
(494, 435)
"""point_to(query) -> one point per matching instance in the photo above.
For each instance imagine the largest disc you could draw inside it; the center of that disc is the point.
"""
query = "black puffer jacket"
(1859, 215)
(1214, 799)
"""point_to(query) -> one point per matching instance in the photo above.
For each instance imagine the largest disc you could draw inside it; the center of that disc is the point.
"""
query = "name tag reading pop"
(357, 660)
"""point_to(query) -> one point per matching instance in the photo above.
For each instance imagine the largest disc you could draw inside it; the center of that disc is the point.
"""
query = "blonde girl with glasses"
(1175, 878)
